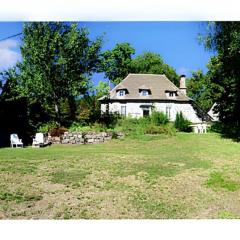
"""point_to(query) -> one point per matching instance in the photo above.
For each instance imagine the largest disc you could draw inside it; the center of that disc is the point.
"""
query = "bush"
(47, 126)
(182, 124)
(133, 126)
(159, 118)
(163, 129)
(57, 132)
(78, 127)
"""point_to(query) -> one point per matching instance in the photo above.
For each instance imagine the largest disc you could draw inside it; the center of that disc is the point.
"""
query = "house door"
(145, 112)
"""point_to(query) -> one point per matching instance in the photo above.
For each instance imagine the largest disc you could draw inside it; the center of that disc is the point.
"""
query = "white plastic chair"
(15, 141)
(39, 140)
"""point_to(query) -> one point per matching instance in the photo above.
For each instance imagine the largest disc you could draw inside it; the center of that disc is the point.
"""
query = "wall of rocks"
(84, 138)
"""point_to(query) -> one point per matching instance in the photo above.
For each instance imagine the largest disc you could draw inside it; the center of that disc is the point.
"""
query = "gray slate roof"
(157, 84)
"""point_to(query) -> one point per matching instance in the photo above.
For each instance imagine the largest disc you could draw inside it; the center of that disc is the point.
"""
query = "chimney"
(182, 86)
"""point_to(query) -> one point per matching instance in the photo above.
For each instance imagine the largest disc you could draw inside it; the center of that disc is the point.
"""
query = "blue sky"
(176, 42)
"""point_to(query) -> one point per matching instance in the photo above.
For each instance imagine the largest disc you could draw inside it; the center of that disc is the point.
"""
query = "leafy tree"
(102, 89)
(58, 60)
(224, 39)
(200, 89)
(9, 84)
(88, 110)
(13, 108)
(116, 63)
(150, 62)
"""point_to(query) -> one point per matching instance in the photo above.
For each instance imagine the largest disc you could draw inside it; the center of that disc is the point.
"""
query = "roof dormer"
(121, 92)
(144, 91)
(171, 94)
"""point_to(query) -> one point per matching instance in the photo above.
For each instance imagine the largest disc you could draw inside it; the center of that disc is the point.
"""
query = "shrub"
(159, 118)
(110, 120)
(57, 132)
(163, 129)
(182, 124)
(47, 126)
(78, 127)
(132, 126)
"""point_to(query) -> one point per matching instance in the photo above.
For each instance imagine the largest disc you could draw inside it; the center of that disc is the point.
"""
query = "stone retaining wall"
(84, 138)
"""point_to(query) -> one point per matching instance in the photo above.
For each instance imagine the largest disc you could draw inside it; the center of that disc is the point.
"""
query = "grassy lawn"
(184, 176)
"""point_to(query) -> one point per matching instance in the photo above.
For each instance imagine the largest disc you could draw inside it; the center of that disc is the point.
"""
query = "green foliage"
(102, 89)
(58, 59)
(9, 85)
(150, 62)
(217, 180)
(201, 90)
(116, 63)
(167, 129)
(47, 126)
(224, 72)
(157, 123)
(88, 110)
(182, 124)
(77, 127)
(159, 118)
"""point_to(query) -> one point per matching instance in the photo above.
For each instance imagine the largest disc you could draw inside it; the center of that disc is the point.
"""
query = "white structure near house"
(213, 114)
(140, 94)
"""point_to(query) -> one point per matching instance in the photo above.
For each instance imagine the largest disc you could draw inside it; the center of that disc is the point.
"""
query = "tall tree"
(200, 89)
(150, 62)
(13, 108)
(224, 38)
(116, 63)
(58, 60)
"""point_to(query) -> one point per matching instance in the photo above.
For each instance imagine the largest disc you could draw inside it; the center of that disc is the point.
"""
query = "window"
(171, 94)
(144, 93)
(145, 112)
(123, 110)
(168, 112)
(121, 93)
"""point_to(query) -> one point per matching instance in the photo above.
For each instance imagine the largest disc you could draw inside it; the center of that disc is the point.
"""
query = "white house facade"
(140, 94)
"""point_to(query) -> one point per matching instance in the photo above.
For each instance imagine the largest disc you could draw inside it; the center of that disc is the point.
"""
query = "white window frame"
(168, 111)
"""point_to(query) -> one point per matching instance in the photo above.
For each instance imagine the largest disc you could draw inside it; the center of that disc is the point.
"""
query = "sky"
(176, 42)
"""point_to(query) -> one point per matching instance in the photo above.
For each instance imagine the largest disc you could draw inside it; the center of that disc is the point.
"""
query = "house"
(140, 94)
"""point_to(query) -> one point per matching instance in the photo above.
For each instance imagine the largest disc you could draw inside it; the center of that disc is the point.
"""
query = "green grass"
(217, 180)
(143, 176)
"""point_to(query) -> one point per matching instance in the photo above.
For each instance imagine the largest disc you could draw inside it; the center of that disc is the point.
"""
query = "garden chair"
(40, 140)
(15, 141)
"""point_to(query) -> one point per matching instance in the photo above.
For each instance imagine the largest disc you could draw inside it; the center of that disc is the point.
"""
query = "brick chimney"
(182, 86)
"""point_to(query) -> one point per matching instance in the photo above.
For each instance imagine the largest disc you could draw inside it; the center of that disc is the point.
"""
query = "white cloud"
(9, 54)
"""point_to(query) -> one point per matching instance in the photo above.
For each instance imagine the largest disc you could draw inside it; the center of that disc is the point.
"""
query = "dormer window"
(144, 93)
(121, 93)
(171, 94)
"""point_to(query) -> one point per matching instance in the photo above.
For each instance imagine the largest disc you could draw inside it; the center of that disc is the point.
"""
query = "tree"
(200, 89)
(13, 108)
(224, 39)
(58, 60)
(116, 63)
(102, 89)
(150, 62)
